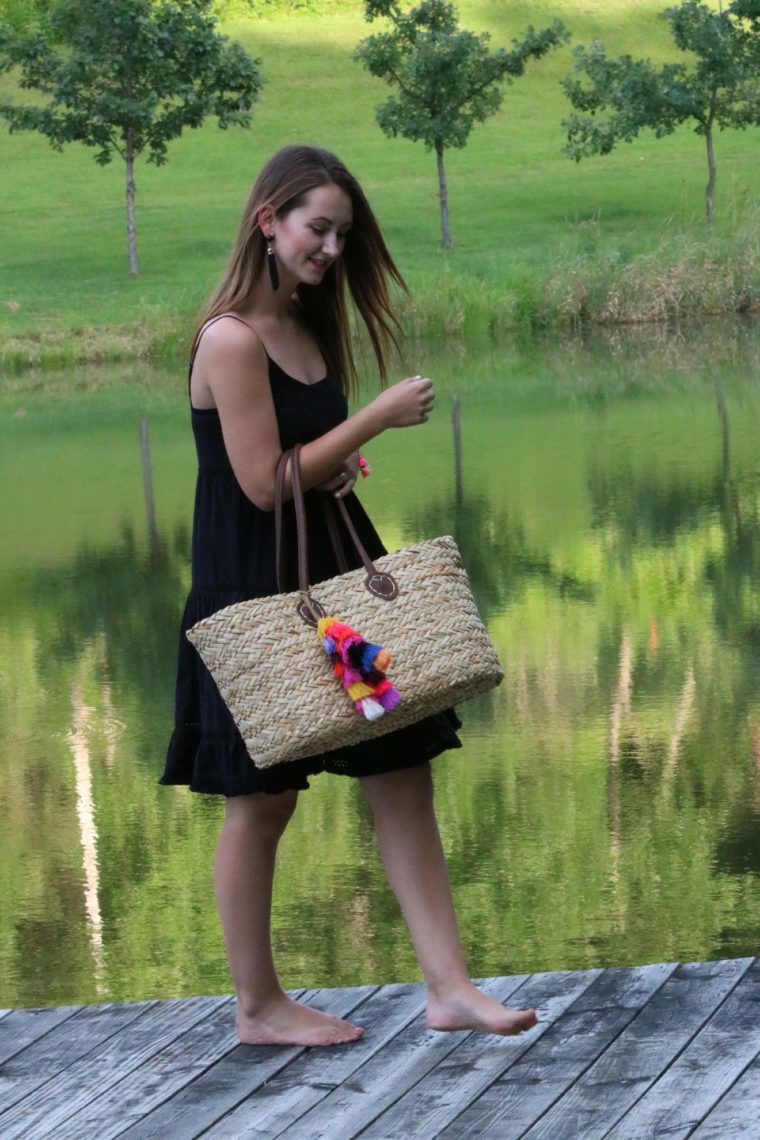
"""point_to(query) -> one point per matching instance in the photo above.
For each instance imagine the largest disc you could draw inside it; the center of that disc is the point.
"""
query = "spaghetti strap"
(196, 345)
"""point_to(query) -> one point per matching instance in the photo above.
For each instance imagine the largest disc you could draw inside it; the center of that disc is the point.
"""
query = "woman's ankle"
(257, 1003)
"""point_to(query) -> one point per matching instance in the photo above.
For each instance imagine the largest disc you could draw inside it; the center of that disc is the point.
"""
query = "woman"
(272, 365)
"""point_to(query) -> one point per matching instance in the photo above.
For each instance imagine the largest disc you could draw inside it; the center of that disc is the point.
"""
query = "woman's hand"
(343, 483)
(407, 403)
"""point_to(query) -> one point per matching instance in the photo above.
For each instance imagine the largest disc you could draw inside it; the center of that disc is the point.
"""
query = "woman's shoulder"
(229, 338)
(228, 329)
(229, 358)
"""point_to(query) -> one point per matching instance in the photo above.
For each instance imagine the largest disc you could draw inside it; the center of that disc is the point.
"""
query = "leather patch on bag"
(311, 612)
(382, 585)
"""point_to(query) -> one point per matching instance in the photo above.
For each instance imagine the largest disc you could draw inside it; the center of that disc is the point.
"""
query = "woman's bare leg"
(410, 846)
(244, 871)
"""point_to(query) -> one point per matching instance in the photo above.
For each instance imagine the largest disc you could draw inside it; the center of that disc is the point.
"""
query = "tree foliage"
(447, 79)
(718, 86)
(126, 77)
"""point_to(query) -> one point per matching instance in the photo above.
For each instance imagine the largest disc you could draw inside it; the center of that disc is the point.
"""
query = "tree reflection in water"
(605, 807)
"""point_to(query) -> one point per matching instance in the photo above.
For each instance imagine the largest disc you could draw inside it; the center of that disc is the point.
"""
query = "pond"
(605, 809)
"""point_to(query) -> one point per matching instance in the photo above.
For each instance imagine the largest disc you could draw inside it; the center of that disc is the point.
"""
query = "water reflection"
(606, 806)
(88, 832)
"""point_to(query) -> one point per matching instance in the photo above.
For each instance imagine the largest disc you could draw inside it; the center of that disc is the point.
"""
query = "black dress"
(232, 560)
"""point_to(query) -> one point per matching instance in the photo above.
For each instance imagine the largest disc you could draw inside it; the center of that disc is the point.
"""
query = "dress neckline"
(294, 379)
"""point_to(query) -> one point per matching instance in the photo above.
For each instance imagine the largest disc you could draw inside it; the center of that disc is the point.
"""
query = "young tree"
(447, 79)
(720, 86)
(126, 77)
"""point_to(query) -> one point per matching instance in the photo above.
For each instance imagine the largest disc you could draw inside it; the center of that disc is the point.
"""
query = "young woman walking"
(272, 366)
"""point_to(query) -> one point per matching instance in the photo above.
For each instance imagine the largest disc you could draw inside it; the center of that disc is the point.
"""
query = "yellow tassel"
(358, 691)
(322, 625)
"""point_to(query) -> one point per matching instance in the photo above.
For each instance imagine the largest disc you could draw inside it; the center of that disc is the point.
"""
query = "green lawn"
(517, 204)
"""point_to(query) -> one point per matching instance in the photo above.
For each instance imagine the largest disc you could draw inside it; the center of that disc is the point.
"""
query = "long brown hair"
(365, 264)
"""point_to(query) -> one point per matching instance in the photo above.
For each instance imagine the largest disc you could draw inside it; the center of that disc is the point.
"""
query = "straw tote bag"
(270, 663)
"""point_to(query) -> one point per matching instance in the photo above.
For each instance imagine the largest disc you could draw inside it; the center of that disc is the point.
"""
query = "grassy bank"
(539, 241)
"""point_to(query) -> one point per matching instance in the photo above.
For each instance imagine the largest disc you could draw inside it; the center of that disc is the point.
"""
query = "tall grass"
(683, 280)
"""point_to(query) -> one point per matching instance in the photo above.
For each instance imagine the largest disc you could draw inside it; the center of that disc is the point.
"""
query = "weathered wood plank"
(159, 1078)
(738, 1112)
(514, 1094)
(713, 1061)
(126, 1101)
(40, 1113)
(220, 1088)
(21, 1027)
(415, 1052)
(312, 1076)
(59, 1046)
(641, 1053)
(608, 1060)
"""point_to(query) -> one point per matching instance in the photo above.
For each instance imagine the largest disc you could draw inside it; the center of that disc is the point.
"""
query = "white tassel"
(371, 708)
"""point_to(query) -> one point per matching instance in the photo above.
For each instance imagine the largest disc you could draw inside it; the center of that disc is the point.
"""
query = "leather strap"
(377, 582)
(279, 481)
(332, 530)
(298, 503)
(343, 509)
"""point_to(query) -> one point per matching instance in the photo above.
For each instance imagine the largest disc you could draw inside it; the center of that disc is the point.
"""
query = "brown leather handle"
(378, 583)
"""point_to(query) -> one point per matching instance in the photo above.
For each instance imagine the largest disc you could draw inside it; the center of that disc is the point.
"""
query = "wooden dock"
(648, 1051)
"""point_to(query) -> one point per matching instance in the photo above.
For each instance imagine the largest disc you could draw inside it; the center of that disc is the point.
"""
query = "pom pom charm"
(360, 667)
(364, 466)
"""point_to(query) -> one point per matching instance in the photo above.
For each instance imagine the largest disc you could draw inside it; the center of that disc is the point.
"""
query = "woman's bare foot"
(470, 1008)
(287, 1022)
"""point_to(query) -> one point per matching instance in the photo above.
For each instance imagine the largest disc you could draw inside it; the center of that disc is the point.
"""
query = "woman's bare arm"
(231, 374)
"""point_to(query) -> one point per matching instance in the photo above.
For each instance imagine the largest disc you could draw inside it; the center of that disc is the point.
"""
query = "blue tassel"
(368, 654)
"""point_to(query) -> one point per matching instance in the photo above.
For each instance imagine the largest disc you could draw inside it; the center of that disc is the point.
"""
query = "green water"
(606, 806)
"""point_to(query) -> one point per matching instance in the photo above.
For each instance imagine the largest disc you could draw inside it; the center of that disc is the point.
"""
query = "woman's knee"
(405, 789)
(262, 811)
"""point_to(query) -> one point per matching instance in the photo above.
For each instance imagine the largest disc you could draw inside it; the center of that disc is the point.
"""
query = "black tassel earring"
(274, 276)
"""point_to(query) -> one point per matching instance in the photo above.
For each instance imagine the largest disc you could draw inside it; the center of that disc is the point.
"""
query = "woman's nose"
(330, 244)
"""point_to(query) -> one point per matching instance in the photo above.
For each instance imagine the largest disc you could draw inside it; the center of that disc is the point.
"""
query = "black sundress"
(233, 560)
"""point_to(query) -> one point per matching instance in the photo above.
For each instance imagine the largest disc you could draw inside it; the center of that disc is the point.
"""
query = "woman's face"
(312, 236)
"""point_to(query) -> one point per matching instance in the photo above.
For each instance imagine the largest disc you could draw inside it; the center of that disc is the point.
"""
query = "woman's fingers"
(426, 395)
(406, 403)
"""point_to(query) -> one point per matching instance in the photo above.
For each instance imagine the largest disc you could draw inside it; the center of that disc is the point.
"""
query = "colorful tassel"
(370, 708)
(360, 667)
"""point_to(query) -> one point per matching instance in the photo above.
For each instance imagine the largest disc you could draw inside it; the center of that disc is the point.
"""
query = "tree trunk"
(129, 158)
(710, 188)
(443, 196)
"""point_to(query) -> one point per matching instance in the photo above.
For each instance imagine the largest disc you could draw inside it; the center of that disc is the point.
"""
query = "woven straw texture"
(277, 680)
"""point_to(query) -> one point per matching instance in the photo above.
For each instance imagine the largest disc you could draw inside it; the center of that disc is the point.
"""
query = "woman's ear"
(266, 219)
